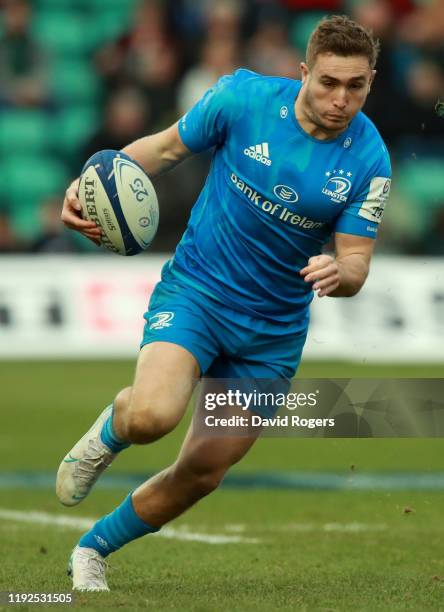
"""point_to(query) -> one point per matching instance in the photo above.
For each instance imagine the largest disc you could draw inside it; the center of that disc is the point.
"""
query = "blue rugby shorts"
(225, 342)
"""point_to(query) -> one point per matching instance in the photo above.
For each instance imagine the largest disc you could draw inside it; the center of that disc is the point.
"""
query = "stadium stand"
(66, 69)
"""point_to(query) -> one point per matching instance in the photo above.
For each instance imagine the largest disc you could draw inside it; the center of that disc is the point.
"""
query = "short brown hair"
(342, 36)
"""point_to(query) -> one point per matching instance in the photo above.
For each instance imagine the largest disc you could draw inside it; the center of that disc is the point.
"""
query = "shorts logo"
(161, 320)
(287, 194)
(337, 187)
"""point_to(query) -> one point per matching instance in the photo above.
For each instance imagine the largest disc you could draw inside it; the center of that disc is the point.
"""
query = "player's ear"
(372, 76)
(304, 71)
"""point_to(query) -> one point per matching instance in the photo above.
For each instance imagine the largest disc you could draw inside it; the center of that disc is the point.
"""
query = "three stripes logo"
(260, 153)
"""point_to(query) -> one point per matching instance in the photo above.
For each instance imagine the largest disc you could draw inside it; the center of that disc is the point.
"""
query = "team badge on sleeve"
(373, 206)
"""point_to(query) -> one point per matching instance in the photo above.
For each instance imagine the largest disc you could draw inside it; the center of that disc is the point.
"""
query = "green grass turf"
(400, 567)
(45, 407)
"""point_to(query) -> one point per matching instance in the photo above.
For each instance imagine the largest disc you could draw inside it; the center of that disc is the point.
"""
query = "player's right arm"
(203, 127)
(160, 152)
(156, 154)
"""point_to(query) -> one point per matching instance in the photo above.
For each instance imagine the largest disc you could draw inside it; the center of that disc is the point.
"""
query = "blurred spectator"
(147, 57)
(386, 97)
(54, 237)
(218, 58)
(201, 20)
(433, 242)
(126, 118)
(175, 51)
(177, 191)
(22, 62)
(425, 25)
(9, 242)
(325, 5)
(212, 18)
(222, 19)
(420, 129)
(378, 15)
(269, 52)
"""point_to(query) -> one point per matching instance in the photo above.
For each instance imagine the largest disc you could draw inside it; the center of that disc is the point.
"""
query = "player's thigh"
(166, 374)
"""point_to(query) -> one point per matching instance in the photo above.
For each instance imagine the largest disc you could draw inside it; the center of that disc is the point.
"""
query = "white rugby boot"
(87, 570)
(84, 463)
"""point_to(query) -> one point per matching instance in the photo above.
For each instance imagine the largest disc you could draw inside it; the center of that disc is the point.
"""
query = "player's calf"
(197, 483)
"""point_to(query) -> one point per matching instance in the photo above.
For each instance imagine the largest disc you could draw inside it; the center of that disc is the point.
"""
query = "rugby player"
(295, 163)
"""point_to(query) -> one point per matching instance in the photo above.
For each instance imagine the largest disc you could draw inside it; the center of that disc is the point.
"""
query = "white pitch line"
(44, 518)
(189, 536)
(83, 523)
(353, 527)
(183, 533)
(235, 528)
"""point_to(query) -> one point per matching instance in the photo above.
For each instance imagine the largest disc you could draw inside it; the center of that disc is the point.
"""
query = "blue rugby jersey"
(274, 195)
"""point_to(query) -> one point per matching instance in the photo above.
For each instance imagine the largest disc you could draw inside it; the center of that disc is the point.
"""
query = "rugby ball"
(116, 193)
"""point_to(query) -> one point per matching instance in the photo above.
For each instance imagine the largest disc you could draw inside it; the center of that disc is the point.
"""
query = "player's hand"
(323, 272)
(72, 215)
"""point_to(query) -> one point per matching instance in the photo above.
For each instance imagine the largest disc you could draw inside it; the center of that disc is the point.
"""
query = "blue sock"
(108, 436)
(116, 529)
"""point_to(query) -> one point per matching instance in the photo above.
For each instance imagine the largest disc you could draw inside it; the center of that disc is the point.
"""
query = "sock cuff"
(109, 437)
(116, 529)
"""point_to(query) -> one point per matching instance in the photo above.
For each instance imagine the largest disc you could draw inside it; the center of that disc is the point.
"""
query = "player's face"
(335, 89)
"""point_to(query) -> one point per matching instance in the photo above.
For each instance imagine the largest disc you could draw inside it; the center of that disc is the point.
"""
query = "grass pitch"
(315, 551)
(295, 550)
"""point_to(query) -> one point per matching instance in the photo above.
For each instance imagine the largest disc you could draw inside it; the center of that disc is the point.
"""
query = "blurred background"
(82, 75)
(78, 76)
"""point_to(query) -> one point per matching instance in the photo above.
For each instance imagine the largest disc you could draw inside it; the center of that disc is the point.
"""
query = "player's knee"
(120, 404)
(147, 424)
(122, 400)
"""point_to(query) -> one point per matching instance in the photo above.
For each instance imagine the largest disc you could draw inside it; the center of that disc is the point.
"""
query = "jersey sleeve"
(364, 214)
(205, 125)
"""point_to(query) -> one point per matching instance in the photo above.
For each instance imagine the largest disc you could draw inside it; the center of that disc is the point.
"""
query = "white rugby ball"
(117, 194)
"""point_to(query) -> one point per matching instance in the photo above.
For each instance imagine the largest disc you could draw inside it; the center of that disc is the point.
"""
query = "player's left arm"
(354, 233)
(344, 274)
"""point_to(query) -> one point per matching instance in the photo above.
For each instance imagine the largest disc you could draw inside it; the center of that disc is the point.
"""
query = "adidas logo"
(103, 543)
(260, 153)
